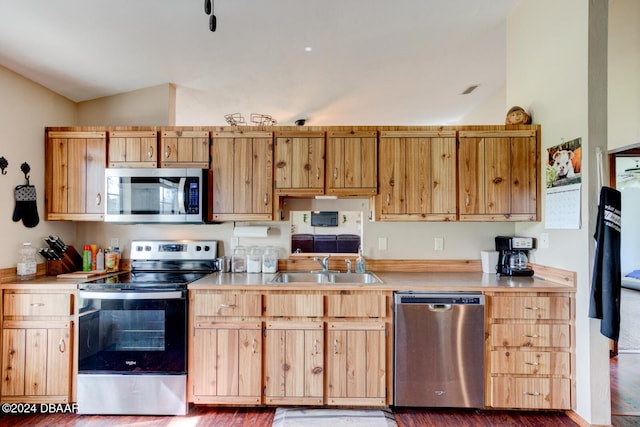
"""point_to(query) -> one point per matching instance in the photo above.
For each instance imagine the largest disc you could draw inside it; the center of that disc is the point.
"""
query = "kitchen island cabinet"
(37, 345)
(74, 169)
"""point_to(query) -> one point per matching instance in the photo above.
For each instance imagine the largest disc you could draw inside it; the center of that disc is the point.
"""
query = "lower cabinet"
(227, 358)
(293, 348)
(37, 347)
(531, 360)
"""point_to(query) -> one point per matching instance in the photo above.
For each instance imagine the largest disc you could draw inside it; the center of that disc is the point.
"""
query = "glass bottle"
(26, 268)
(360, 262)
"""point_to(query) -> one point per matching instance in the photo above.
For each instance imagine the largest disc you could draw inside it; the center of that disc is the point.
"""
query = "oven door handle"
(128, 295)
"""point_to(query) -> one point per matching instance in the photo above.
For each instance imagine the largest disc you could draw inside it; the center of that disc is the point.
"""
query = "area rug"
(304, 417)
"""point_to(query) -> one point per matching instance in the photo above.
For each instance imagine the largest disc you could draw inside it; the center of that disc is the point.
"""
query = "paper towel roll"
(251, 231)
(489, 261)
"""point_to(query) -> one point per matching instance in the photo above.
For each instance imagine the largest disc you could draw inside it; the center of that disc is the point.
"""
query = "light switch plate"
(544, 240)
(382, 243)
(438, 243)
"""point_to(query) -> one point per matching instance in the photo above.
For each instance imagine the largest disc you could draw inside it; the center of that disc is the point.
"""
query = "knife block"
(71, 261)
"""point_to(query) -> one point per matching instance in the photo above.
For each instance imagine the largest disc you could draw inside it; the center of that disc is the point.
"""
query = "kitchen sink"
(325, 278)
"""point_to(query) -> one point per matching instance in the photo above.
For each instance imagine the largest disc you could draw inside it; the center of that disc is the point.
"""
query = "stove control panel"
(174, 249)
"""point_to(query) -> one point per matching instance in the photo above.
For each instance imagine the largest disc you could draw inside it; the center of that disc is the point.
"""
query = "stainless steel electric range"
(132, 356)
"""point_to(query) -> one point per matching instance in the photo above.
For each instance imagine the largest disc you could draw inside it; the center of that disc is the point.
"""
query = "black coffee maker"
(512, 257)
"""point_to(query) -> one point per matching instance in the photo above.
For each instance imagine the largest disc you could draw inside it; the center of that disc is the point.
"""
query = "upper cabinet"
(133, 149)
(498, 172)
(299, 163)
(242, 176)
(184, 149)
(417, 175)
(74, 169)
(352, 159)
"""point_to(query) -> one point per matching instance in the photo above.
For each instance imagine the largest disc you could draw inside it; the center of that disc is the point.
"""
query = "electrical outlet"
(544, 240)
(115, 243)
(438, 243)
(235, 242)
(382, 243)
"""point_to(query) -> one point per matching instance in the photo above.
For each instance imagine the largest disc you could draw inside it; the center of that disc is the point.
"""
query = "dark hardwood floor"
(625, 404)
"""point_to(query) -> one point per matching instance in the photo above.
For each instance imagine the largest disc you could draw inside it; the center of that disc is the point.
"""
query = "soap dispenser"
(360, 262)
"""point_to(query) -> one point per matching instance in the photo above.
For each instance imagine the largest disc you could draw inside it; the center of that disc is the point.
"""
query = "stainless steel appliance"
(135, 195)
(512, 256)
(439, 349)
(132, 345)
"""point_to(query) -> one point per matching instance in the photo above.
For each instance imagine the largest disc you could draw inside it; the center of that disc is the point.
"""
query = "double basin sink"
(325, 278)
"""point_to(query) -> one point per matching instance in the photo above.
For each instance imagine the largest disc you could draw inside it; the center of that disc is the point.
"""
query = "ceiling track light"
(208, 9)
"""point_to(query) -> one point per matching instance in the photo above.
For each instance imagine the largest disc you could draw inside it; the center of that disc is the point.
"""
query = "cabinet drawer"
(296, 305)
(37, 305)
(522, 335)
(530, 393)
(227, 304)
(508, 307)
(358, 305)
(530, 362)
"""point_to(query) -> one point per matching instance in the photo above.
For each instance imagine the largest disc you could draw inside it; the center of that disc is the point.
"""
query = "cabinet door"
(242, 175)
(498, 175)
(356, 363)
(184, 149)
(74, 170)
(226, 364)
(352, 163)
(133, 149)
(299, 163)
(417, 176)
(294, 363)
(36, 362)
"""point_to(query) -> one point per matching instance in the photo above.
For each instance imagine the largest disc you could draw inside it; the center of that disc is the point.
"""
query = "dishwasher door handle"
(440, 307)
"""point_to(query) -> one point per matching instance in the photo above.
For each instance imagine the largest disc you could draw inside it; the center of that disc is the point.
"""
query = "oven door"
(132, 332)
(154, 195)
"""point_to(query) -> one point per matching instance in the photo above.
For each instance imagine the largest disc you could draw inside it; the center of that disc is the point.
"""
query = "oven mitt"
(26, 206)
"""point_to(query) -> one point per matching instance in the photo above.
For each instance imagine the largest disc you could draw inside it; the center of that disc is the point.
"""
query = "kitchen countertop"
(391, 281)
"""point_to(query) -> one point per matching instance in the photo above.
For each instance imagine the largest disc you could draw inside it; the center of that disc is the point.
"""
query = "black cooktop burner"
(147, 280)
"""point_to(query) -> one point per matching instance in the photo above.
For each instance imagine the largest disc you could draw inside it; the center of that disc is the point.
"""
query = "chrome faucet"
(324, 262)
(348, 261)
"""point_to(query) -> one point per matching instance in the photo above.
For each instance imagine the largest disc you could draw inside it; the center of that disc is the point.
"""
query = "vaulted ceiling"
(405, 60)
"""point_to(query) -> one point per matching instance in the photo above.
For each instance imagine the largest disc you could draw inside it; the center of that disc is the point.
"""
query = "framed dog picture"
(564, 164)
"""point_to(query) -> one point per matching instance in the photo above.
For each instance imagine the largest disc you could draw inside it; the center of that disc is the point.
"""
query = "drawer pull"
(253, 346)
(335, 174)
(98, 199)
(315, 346)
(532, 308)
(528, 393)
(37, 304)
(167, 151)
(62, 346)
(150, 152)
(532, 363)
(335, 346)
(228, 305)
(530, 336)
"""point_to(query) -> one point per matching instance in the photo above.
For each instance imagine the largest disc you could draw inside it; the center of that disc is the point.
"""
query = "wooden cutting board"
(81, 274)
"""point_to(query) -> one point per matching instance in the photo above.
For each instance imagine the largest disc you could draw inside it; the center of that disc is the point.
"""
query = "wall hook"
(25, 168)
(3, 165)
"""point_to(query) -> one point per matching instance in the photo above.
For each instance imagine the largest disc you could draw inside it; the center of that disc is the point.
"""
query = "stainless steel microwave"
(145, 195)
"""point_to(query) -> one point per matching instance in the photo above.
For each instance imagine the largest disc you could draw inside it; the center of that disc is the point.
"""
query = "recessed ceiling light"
(308, 49)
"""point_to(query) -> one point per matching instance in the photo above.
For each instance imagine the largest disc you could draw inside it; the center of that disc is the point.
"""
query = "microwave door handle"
(182, 196)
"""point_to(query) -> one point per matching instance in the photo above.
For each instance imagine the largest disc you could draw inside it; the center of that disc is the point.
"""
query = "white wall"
(152, 106)
(624, 73)
(25, 109)
(556, 68)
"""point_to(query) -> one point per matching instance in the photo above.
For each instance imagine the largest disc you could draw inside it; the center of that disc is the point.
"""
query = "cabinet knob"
(150, 152)
(98, 199)
(62, 345)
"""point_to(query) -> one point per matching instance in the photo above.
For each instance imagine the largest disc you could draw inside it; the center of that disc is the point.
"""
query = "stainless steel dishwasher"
(439, 349)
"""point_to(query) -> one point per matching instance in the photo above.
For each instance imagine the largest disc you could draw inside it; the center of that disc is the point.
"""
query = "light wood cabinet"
(531, 351)
(417, 176)
(225, 348)
(37, 347)
(242, 176)
(498, 175)
(352, 163)
(133, 149)
(74, 168)
(294, 362)
(299, 163)
(184, 149)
